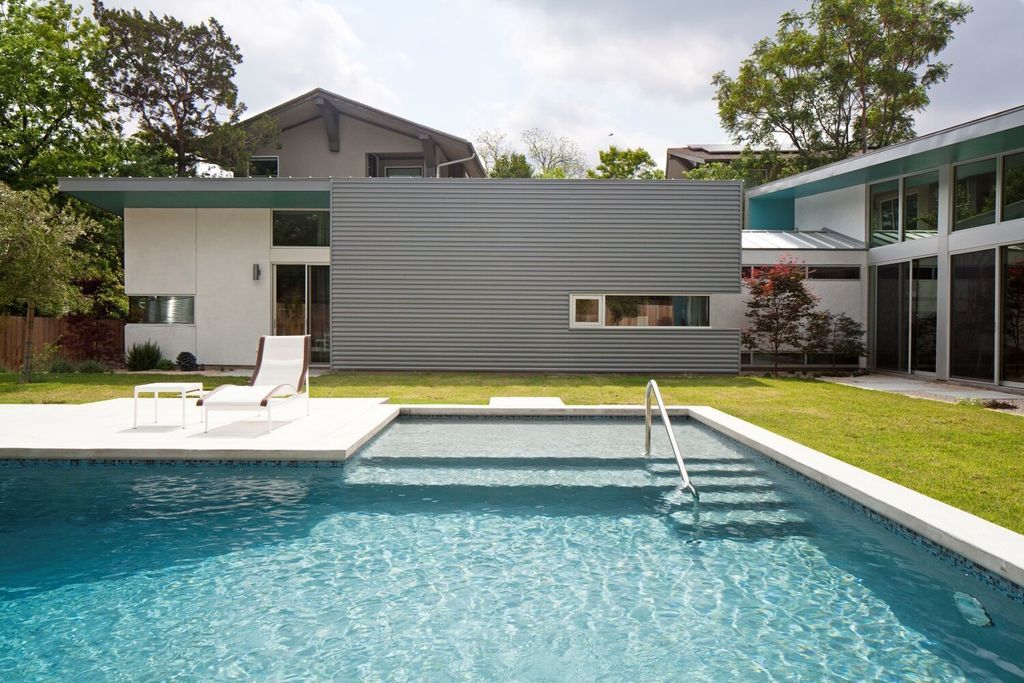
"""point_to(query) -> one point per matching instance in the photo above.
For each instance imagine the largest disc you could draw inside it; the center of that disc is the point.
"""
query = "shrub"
(61, 366)
(187, 362)
(144, 356)
(165, 364)
(92, 365)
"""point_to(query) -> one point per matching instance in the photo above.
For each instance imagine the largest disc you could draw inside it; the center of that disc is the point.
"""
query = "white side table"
(183, 389)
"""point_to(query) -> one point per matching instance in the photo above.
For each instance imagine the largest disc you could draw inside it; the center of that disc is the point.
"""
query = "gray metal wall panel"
(476, 274)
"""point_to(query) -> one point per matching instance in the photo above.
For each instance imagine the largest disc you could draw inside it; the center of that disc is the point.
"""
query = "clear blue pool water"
(476, 550)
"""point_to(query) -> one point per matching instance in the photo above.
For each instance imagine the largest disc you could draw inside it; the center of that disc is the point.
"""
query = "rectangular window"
(972, 321)
(161, 310)
(302, 228)
(263, 167)
(833, 272)
(974, 201)
(885, 209)
(586, 310)
(921, 205)
(1013, 187)
(639, 310)
(403, 172)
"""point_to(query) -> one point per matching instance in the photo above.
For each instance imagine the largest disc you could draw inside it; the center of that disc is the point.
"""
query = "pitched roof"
(302, 109)
(703, 153)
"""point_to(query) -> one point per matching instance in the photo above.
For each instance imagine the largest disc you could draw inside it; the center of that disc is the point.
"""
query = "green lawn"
(961, 454)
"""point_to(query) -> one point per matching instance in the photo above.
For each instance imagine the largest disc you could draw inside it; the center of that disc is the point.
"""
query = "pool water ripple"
(508, 573)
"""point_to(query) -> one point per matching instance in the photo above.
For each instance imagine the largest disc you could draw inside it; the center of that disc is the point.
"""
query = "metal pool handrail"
(652, 389)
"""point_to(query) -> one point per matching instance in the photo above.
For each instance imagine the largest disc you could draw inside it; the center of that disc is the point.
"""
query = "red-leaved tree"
(777, 307)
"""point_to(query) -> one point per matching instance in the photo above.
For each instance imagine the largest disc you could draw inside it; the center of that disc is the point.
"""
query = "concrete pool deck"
(334, 429)
(337, 428)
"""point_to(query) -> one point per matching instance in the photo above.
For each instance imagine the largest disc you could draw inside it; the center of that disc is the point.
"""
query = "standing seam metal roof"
(816, 239)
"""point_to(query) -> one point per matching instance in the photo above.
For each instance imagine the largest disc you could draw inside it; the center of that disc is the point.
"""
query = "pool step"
(736, 501)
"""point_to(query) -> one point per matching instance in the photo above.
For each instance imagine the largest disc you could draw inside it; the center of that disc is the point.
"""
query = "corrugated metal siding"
(476, 274)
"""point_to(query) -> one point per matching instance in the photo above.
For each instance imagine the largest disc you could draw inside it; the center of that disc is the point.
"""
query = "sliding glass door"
(905, 315)
(1013, 313)
(972, 322)
(302, 305)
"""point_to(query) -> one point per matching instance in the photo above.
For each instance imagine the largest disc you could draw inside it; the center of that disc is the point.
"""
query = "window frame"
(600, 324)
(298, 246)
(997, 210)
(162, 296)
(388, 169)
(264, 157)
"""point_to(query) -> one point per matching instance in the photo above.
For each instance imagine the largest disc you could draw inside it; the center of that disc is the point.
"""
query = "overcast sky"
(639, 70)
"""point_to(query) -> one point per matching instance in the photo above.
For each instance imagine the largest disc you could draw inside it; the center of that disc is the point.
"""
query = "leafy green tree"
(842, 77)
(37, 259)
(753, 168)
(626, 163)
(177, 80)
(837, 335)
(52, 98)
(511, 165)
(777, 307)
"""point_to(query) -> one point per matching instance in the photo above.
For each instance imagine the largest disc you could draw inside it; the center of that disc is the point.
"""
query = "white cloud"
(288, 47)
(666, 63)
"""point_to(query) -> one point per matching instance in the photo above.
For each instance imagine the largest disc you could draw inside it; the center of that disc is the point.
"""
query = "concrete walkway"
(923, 388)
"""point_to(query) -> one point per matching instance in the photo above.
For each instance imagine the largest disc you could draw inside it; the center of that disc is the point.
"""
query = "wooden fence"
(80, 339)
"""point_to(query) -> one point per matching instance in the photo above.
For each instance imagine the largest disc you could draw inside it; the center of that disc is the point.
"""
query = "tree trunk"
(26, 359)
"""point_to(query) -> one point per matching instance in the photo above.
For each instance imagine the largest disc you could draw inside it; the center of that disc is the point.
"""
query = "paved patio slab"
(334, 429)
(925, 388)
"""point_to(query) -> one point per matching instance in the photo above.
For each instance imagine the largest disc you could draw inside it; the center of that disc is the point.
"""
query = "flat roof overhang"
(117, 194)
(983, 137)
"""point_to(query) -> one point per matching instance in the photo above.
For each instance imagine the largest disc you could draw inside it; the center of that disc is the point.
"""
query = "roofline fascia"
(193, 184)
(986, 125)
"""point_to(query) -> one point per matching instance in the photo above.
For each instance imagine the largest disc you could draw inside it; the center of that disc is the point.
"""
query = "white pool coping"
(337, 428)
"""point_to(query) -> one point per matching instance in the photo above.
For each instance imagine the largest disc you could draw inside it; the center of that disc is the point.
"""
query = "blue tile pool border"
(72, 463)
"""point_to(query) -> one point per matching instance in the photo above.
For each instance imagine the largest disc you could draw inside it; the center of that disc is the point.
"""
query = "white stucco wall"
(232, 309)
(841, 210)
(160, 251)
(208, 253)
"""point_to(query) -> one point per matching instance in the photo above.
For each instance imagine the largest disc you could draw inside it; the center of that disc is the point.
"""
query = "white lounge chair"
(281, 375)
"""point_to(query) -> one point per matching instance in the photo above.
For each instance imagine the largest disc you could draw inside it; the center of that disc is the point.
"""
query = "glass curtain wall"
(1013, 313)
(975, 194)
(921, 206)
(1013, 186)
(885, 211)
(972, 315)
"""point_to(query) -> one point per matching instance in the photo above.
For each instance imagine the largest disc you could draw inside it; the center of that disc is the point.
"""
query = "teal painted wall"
(770, 214)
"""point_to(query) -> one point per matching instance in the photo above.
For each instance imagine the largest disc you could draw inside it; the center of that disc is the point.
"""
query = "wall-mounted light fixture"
(256, 271)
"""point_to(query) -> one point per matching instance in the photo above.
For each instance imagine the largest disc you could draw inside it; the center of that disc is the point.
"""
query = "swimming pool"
(477, 549)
